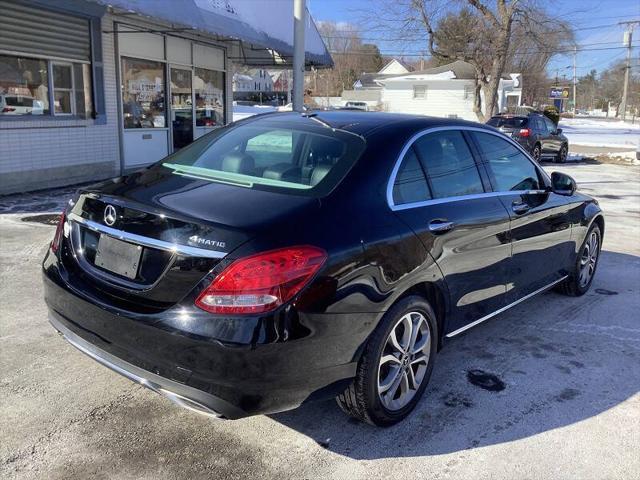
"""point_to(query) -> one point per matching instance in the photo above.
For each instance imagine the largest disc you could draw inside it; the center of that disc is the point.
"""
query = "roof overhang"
(260, 34)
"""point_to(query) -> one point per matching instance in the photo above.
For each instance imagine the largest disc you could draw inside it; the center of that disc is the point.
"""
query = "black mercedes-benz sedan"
(293, 257)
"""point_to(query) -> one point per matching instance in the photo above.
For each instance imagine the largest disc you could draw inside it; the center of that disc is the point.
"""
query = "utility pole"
(575, 54)
(627, 43)
(299, 23)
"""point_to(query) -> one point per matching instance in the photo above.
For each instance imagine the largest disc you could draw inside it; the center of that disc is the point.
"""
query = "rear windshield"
(271, 155)
(508, 122)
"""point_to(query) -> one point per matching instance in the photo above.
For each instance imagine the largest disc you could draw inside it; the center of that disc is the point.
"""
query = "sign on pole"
(561, 93)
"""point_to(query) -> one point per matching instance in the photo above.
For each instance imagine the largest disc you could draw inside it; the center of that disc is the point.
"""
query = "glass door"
(181, 107)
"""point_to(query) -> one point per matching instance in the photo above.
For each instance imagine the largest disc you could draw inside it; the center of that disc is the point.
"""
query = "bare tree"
(472, 31)
(351, 57)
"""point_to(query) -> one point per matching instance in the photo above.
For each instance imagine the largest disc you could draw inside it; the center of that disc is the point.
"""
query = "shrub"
(552, 113)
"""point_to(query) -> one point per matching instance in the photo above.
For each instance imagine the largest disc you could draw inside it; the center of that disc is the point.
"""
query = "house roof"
(460, 70)
(394, 64)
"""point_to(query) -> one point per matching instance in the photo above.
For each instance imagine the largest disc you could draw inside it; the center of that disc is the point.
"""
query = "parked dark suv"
(288, 258)
(536, 133)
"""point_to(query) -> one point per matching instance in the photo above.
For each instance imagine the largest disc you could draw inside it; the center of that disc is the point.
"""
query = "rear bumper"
(288, 360)
(182, 395)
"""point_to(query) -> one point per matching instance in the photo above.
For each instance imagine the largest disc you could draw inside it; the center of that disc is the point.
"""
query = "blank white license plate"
(118, 257)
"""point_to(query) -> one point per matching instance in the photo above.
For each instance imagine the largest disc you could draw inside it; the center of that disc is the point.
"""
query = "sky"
(595, 22)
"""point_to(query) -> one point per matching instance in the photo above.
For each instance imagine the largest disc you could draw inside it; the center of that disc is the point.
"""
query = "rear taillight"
(524, 132)
(262, 282)
(8, 109)
(55, 243)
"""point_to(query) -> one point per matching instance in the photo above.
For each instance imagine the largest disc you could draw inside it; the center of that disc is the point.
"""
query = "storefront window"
(24, 86)
(62, 89)
(209, 90)
(143, 87)
(82, 83)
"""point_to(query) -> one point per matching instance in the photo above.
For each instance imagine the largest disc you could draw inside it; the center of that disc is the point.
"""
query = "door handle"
(520, 207)
(440, 225)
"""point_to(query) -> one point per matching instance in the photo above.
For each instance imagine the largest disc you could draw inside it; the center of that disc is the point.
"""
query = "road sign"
(559, 92)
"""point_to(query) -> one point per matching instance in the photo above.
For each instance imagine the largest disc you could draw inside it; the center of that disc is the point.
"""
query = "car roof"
(366, 123)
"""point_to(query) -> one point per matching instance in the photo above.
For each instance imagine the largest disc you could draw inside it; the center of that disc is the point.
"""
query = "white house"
(445, 91)
(253, 81)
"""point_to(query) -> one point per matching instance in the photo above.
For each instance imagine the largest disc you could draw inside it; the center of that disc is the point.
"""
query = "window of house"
(509, 168)
(419, 91)
(143, 86)
(27, 88)
(209, 90)
(449, 164)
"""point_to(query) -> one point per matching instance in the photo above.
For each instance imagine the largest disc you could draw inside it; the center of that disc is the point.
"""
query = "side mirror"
(563, 184)
(558, 131)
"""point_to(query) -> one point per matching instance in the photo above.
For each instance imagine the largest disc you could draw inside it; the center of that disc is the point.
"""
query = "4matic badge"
(207, 242)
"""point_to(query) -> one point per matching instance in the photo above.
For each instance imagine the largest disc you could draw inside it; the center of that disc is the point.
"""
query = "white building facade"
(445, 91)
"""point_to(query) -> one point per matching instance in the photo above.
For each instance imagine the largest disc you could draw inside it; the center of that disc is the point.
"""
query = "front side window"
(143, 93)
(24, 86)
(209, 89)
(270, 155)
(509, 168)
(410, 184)
(449, 164)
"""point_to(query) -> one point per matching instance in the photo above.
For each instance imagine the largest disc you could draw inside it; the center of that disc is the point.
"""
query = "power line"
(593, 27)
(417, 55)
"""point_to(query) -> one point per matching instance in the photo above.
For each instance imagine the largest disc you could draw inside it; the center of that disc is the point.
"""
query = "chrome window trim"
(147, 241)
(425, 203)
(474, 196)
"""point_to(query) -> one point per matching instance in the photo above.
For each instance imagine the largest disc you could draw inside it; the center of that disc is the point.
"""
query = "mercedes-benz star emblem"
(110, 215)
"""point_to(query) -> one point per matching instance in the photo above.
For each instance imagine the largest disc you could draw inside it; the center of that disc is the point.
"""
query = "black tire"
(573, 286)
(561, 157)
(536, 153)
(361, 399)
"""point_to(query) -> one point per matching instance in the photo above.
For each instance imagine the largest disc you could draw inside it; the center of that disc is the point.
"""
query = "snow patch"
(601, 133)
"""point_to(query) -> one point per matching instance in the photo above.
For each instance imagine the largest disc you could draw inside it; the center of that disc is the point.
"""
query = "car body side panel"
(473, 256)
(542, 249)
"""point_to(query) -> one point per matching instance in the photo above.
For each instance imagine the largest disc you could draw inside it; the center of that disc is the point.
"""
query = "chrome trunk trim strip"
(146, 241)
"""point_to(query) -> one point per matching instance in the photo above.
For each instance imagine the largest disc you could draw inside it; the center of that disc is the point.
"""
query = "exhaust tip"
(188, 403)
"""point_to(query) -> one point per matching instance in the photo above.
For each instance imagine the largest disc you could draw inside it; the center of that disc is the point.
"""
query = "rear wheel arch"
(434, 295)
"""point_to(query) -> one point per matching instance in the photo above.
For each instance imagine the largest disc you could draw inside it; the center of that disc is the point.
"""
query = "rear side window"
(450, 167)
(509, 168)
(411, 184)
(509, 122)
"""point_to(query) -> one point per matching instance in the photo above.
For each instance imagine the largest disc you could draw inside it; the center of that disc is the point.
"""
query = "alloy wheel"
(404, 360)
(536, 154)
(589, 259)
(563, 154)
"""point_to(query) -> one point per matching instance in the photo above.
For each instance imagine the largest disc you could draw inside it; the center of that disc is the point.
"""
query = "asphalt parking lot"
(570, 406)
